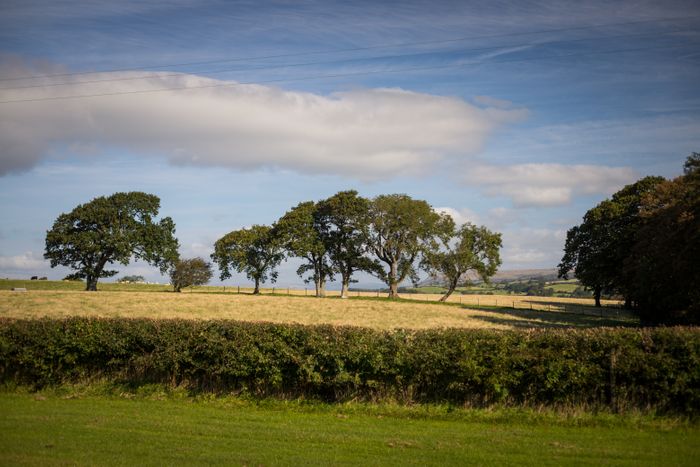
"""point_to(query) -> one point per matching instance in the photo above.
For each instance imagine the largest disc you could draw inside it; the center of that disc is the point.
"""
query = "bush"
(618, 369)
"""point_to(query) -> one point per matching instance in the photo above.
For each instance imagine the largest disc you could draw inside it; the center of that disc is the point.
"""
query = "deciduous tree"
(401, 228)
(470, 249)
(111, 229)
(596, 250)
(190, 272)
(254, 251)
(663, 267)
(344, 220)
(299, 234)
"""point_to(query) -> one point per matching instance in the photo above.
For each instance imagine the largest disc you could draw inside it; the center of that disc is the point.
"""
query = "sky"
(516, 115)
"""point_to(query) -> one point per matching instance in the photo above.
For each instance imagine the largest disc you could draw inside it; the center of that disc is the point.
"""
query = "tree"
(190, 272)
(343, 221)
(663, 265)
(299, 234)
(402, 228)
(596, 250)
(254, 251)
(111, 229)
(469, 249)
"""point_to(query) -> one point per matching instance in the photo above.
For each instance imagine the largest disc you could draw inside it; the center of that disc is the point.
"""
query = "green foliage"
(664, 265)
(190, 272)
(470, 248)
(299, 234)
(619, 369)
(401, 230)
(343, 221)
(110, 230)
(255, 251)
(596, 250)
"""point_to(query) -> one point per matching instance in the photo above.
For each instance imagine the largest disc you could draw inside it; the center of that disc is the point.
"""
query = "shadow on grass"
(550, 319)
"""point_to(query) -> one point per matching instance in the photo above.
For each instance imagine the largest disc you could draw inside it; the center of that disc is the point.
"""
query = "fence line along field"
(364, 311)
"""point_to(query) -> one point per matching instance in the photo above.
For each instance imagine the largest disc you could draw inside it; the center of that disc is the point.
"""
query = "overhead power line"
(340, 75)
(354, 49)
(326, 62)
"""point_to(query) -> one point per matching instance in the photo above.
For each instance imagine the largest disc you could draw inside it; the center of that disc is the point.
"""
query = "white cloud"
(27, 261)
(460, 216)
(532, 248)
(548, 184)
(364, 134)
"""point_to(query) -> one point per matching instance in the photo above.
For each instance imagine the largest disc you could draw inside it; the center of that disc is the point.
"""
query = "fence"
(610, 308)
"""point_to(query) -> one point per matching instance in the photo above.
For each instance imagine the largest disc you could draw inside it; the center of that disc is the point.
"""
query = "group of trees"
(644, 244)
(391, 237)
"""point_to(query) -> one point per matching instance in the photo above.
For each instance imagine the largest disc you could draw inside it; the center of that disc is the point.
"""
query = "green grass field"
(70, 428)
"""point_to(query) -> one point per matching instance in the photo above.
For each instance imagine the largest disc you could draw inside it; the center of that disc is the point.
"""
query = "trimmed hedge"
(619, 369)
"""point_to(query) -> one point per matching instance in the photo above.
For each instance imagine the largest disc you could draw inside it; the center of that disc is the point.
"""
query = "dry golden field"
(379, 314)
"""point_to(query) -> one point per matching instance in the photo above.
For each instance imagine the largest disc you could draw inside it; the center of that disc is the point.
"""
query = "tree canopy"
(343, 221)
(299, 234)
(254, 251)
(662, 267)
(596, 249)
(190, 272)
(111, 229)
(469, 249)
(402, 228)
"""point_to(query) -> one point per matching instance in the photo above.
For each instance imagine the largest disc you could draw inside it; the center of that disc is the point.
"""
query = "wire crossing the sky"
(340, 75)
(352, 49)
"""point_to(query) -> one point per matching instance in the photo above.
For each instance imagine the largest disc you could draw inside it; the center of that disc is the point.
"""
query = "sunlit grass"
(357, 311)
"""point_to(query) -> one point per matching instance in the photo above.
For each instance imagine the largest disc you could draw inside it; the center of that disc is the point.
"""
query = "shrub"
(619, 369)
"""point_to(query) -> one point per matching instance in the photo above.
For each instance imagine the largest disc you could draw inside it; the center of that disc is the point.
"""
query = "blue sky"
(516, 115)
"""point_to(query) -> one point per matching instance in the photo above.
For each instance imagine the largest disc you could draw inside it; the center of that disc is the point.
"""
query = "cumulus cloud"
(460, 216)
(365, 134)
(548, 184)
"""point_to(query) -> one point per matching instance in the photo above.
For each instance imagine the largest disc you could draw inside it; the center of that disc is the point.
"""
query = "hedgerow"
(618, 369)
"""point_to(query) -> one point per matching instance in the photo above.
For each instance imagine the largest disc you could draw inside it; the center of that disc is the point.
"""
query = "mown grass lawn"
(41, 429)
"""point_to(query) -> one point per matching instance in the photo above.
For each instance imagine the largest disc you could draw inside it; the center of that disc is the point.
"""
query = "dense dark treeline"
(644, 244)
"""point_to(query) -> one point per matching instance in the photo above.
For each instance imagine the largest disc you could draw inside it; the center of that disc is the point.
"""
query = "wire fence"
(579, 306)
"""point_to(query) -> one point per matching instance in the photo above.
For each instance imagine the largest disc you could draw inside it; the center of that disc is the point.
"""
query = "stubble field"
(377, 313)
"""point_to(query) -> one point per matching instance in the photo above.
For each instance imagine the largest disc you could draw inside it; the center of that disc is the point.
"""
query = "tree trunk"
(317, 286)
(345, 286)
(393, 282)
(322, 289)
(597, 291)
(91, 284)
(257, 287)
(450, 288)
(91, 280)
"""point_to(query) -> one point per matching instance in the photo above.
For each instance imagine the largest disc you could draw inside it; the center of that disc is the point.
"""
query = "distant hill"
(510, 275)
(525, 275)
